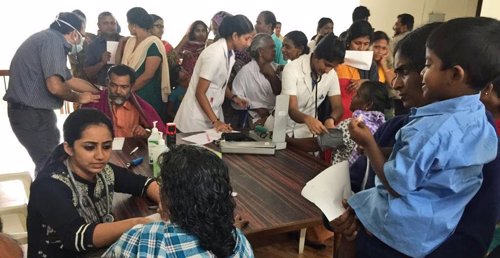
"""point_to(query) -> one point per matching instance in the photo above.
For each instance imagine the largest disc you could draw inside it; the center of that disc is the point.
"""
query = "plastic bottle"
(153, 141)
(157, 151)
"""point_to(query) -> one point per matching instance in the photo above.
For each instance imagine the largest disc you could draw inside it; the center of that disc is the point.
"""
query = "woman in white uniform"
(308, 80)
(201, 108)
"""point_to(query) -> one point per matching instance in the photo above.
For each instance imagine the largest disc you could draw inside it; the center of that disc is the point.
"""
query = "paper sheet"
(203, 138)
(118, 143)
(155, 217)
(359, 59)
(328, 189)
(111, 47)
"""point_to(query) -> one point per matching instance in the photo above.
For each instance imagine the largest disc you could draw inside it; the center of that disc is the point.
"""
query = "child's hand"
(360, 133)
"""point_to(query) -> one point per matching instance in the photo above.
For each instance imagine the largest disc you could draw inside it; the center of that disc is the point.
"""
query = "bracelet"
(232, 97)
(213, 122)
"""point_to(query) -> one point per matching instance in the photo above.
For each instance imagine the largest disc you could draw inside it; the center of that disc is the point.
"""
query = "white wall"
(490, 8)
(384, 12)
(21, 18)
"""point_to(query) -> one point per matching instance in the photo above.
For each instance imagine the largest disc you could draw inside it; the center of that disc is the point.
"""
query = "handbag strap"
(365, 178)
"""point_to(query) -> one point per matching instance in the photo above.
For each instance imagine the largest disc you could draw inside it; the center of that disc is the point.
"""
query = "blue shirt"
(165, 239)
(39, 57)
(436, 167)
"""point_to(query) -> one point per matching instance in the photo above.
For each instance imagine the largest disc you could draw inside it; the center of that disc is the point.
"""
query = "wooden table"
(268, 189)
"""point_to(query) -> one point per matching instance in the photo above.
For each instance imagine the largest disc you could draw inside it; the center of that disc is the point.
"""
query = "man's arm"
(80, 85)
(57, 87)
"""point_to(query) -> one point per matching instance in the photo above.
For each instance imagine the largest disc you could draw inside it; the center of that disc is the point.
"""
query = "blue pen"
(135, 162)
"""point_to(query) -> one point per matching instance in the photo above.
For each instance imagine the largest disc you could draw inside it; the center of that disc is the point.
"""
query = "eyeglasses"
(159, 26)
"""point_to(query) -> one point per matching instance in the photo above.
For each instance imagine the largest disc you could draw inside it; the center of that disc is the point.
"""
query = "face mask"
(76, 48)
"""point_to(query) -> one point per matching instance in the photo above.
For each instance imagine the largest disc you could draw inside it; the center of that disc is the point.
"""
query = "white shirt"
(214, 64)
(253, 86)
(297, 81)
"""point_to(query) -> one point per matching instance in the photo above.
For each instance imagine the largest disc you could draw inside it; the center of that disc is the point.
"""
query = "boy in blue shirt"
(435, 166)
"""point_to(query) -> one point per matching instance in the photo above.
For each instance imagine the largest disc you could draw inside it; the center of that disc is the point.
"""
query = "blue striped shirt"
(41, 56)
(165, 239)
(436, 166)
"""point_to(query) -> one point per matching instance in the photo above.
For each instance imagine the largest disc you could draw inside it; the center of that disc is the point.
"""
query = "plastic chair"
(14, 207)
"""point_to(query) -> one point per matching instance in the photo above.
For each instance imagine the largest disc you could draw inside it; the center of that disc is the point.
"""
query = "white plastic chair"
(14, 207)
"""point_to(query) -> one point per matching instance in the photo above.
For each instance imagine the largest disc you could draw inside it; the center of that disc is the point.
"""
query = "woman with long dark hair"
(201, 108)
(69, 210)
(196, 197)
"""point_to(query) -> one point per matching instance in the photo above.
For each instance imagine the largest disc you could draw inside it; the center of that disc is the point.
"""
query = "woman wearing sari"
(191, 45)
(145, 53)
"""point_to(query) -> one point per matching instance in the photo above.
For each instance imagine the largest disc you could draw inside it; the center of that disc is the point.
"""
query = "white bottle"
(157, 151)
(153, 141)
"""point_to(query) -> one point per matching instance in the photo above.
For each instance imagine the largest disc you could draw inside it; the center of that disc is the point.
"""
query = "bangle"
(213, 122)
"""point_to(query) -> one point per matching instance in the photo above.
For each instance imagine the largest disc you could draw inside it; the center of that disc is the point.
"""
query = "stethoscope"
(107, 217)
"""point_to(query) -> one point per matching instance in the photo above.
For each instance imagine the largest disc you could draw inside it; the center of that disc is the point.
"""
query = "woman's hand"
(222, 127)
(315, 126)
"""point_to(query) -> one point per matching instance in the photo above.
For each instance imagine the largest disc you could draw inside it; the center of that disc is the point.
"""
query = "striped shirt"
(41, 56)
(165, 239)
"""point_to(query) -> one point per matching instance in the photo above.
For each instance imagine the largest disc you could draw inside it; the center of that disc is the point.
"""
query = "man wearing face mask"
(39, 83)
(130, 114)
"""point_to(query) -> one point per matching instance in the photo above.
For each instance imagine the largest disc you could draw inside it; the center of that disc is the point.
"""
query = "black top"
(57, 224)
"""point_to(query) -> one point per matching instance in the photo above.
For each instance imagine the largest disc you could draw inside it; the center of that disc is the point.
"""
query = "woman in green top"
(146, 54)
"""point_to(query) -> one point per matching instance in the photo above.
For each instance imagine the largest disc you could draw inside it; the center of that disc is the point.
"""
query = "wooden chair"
(4, 74)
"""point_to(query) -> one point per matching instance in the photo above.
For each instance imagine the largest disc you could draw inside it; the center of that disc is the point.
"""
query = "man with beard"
(97, 57)
(130, 114)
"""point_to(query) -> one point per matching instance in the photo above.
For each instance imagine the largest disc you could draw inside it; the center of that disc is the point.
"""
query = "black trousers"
(36, 130)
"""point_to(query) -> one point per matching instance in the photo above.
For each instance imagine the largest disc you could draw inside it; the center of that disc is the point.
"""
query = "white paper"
(359, 59)
(203, 138)
(111, 47)
(328, 189)
(155, 217)
(118, 143)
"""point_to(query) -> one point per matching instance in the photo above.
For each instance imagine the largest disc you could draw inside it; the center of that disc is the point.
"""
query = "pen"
(208, 137)
(135, 162)
(134, 150)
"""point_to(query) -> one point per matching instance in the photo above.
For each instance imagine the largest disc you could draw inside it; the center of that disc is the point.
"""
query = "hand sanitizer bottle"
(157, 151)
(153, 141)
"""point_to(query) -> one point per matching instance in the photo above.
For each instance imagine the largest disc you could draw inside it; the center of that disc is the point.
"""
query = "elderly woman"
(257, 81)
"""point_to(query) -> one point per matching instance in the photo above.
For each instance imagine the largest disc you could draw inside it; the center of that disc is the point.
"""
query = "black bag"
(332, 140)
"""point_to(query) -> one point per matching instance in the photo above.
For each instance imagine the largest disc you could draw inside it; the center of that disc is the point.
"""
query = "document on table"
(118, 143)
(203, 138)
(328, 189)
(111, 47)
